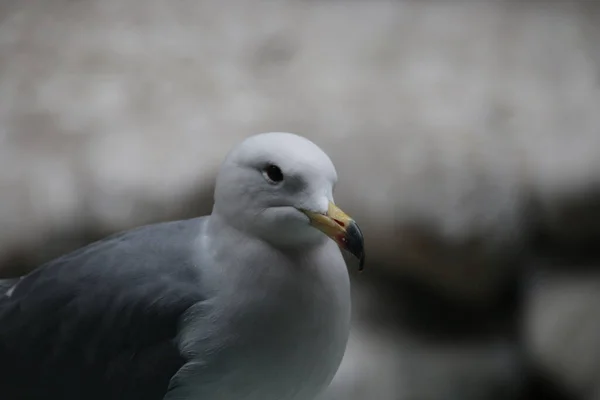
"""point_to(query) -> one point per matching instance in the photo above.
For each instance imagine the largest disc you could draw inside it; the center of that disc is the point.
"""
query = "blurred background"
(466, 136)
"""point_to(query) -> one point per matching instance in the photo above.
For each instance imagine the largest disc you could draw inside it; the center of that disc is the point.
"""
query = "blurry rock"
(561, 325)
(567, 228)
(369, 369)
(386, 362)
(561, 328)
(444, 119)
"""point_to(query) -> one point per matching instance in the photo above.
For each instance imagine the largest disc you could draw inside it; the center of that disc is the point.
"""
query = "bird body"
(294, 338)
(220, 307)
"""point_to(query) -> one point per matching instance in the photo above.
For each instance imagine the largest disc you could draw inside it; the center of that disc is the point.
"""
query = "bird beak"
(342, 229)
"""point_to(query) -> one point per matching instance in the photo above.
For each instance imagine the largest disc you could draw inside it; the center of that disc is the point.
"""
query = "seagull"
(251, 302)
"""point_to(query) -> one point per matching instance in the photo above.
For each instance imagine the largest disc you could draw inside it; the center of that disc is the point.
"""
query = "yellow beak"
(342, 229)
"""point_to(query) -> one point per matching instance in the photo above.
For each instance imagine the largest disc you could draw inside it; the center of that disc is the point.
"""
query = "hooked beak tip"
(355, 243)
(342, 229)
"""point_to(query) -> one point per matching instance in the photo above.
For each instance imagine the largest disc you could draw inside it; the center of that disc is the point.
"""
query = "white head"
(279, 187)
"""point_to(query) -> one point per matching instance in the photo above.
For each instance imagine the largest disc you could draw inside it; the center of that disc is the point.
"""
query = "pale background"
(466, 136)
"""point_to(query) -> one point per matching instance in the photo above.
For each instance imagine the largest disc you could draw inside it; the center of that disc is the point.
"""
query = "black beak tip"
(356, 245)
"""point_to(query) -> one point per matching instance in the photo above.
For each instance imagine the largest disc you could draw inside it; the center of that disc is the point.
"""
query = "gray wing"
(100, 323)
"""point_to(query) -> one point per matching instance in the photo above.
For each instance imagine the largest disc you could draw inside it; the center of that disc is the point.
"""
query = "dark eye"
(273, 173)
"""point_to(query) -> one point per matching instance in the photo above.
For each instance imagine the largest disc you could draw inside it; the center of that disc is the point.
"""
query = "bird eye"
(273, 174)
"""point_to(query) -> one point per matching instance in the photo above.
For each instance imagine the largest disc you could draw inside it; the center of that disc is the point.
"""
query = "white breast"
(283, 339)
